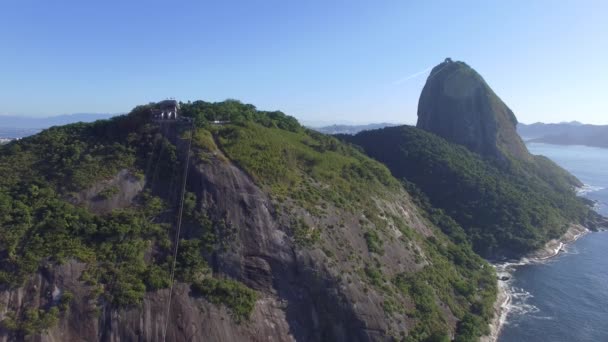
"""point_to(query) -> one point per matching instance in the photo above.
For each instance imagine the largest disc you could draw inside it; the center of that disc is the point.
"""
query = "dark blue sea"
(566, 297)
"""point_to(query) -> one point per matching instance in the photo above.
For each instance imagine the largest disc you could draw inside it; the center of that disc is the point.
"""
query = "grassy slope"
(316, 171)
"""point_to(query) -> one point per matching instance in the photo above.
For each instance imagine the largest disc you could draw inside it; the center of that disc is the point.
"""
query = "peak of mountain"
(457, 104)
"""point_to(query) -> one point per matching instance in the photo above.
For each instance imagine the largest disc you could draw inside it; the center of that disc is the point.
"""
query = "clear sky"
(321, 61)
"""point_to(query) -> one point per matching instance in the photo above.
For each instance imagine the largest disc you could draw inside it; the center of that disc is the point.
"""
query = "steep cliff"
(457, 104)
(287, 235)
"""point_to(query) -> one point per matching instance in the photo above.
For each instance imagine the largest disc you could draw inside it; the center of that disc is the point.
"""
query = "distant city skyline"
(320, 61)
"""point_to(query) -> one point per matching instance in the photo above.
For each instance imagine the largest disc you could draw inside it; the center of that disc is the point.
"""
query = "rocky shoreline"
(503, 298)
(553, 247)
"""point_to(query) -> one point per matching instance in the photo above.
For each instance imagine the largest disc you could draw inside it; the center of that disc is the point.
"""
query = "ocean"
(565, 298)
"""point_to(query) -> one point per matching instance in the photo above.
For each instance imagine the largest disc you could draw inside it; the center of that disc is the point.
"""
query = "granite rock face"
(458, 105)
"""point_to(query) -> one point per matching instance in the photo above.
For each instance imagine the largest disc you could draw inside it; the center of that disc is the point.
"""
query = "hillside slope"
(506, 211)
(287, 235)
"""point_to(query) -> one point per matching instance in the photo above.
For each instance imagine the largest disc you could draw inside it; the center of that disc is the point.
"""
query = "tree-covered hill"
(278, 222)
(505, 209)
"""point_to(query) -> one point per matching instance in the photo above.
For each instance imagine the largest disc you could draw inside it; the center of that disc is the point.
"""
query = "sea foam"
(587, 188)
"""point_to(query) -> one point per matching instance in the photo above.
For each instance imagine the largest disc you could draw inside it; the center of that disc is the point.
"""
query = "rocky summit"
(458, 105)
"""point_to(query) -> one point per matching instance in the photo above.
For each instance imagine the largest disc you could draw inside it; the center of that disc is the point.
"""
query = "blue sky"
(321, 61)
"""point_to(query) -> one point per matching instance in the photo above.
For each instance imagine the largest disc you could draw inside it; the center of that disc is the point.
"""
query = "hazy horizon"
(309, 123)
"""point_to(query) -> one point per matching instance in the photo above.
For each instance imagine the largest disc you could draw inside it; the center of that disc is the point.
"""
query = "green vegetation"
(309, 169)
(31, 321)
(454, 275)
(235, 296)
(374, 244)
(204, 140)
(129, 251)
(304, 235)
(108, 192)
(39, 227)
(235, 112)
(286, 157)
(312, 170)
(190, 263)
(505, 210)
(457, 277)
(65, 300)
(71, 157)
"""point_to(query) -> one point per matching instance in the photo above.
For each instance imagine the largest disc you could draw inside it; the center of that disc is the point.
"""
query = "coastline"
(553, 247)
(503, 299)
(501, 309)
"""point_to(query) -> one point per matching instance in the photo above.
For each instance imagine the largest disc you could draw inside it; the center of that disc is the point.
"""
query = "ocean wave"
(599, 205)
(570, 250)
(544, 318)
(517, 304)
(508, 267)
(586, 188)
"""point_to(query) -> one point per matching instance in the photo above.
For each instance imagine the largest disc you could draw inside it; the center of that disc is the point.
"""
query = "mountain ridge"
(351, 129)
(566, 134)
(33, 122)
(279, 222)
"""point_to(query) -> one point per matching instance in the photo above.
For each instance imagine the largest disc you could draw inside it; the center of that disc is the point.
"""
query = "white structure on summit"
(167, 110)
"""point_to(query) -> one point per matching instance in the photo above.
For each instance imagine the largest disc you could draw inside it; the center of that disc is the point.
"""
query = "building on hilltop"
(166, 110)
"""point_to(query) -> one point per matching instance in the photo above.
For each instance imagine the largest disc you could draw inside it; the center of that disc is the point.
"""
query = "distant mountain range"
(15, 126)
(566, 133)
(352, 129)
